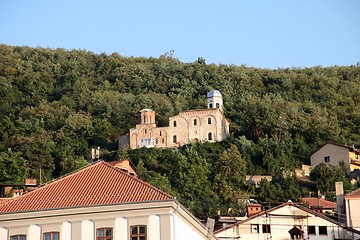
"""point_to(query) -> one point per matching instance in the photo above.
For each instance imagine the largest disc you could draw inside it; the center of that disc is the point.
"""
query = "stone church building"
(188, 126)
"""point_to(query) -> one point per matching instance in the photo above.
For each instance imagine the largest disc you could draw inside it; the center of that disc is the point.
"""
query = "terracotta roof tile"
(96, 184)
(313, 202)
(353, 195)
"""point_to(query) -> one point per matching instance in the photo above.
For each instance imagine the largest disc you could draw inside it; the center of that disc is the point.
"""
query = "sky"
(256, 33)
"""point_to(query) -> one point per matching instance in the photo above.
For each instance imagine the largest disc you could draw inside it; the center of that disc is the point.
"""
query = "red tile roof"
(4, 200)
(353, 195)
(97, 184)
(313, 202)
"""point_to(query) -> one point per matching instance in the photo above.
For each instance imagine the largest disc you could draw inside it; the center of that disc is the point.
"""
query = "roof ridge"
(138, 179)
(42, 186)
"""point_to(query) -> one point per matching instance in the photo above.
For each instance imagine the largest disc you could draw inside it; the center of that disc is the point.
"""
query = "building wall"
(163, 221)
(187, 126)
(353, 213)
(336, 153)
(281, 221)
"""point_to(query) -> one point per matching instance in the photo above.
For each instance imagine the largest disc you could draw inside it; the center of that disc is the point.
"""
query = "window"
(327, 159)
(18, 237)
(145, 131)
(266, 228)
(144, 119)
(195, 122)
(254, 228)
(209, 136)
(162, 140)
(174, 123)
(322, 230)
(210, 105)
(156, 141)
(104, 234)
(138, 232)
(174, 139)
(209, 120)
(311, 230)
(217, 105)
(51, 236)
(160, 133)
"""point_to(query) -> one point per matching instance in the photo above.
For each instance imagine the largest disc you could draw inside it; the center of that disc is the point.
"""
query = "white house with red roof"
(98, 202)
(288, 221)
(352, 206)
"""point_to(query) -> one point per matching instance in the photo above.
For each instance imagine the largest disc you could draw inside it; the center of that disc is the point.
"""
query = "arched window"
(18, 237)
(51, 236)
(210, 137)
(160, 133)
(210, 105)
(174, 123)
(144, 119)
(174, 139)
(145, 131)
(104, 234)
(209, 120)
(195, 122)
(217, 105)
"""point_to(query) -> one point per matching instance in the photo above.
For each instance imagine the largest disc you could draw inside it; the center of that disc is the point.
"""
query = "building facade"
(334, 153)
(352, 206)
(188, 126)
(288, 221)
(98, 202)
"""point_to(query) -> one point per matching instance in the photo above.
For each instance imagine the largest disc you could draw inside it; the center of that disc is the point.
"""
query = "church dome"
(214, 93)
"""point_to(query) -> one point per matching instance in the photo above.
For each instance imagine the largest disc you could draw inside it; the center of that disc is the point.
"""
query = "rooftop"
(319, 202)
(97, 184)
(214, 93)
(353, 195)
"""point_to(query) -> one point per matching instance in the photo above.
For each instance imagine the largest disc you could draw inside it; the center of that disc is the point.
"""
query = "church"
(189, 126)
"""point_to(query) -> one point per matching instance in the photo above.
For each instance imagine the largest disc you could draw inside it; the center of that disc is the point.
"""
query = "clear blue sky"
(265, 34)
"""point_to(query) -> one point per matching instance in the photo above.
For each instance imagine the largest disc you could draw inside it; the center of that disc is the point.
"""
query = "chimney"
(339, 190)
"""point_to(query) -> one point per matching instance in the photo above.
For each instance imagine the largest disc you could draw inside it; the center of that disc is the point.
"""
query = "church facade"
(188, 126)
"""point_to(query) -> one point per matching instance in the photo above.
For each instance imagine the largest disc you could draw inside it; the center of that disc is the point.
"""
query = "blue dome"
(214, 93)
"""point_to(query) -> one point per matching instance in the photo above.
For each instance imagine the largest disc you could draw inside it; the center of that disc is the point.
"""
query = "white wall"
(353, 213)
(182, 230)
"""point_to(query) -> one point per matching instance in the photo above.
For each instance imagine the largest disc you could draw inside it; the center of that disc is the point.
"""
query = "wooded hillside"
(55, 104)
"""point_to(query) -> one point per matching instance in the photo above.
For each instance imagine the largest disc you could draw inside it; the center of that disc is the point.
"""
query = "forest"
(56, 104)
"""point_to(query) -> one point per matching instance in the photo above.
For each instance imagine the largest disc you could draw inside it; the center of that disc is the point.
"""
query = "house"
(98, 202)
(188, 126)
(334, 153)
(288, 221)
(352, 206)
(17, 189)
(320, 205)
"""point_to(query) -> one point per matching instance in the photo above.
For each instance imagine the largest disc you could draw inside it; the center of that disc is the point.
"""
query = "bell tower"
(215, 100)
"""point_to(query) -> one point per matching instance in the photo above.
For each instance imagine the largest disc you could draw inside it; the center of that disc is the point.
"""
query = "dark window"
(145, 131)
(209, 120)
(174, 123)
(174, 139)
(51, 236)
(322, 230)
(209, 136)
(327, 159)
(266, 228)
(138, 232)
(104, 234)
(144, 119)
(162, 140)
(157, 141)
(311, 230)
(160, 133)
(18, 237)
(254, 228)
(195, 122)
(217, 105)
(210, 105)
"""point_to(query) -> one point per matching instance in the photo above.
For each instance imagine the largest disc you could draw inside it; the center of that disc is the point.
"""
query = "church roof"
(97, 184)
(214, 93)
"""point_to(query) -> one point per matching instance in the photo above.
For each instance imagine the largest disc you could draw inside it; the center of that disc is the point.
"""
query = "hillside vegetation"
(55, 104)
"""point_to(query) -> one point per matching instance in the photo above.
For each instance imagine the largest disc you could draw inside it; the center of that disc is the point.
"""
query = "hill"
(55, 104)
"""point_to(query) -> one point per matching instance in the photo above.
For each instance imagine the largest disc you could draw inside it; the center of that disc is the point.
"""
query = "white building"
(98, 202)
(288, 221)
(334, 153)
(352, 206)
